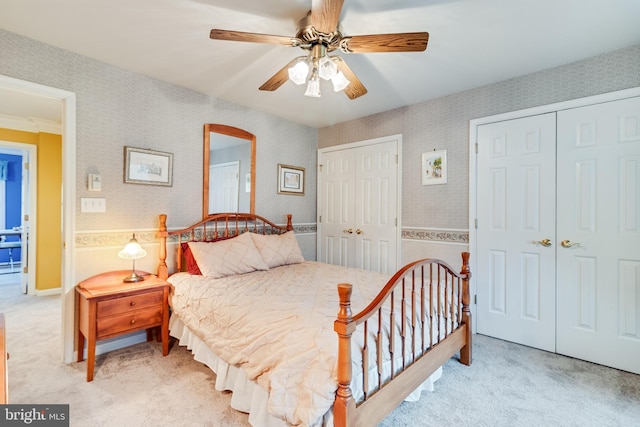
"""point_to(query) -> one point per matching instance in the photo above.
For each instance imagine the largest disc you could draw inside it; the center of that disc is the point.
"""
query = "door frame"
(391, 138)
(68, 279)
(473, 155)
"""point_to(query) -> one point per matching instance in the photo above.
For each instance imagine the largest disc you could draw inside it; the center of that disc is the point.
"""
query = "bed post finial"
(163, 271)
(344, 406)
(289, 222)
(465, 271)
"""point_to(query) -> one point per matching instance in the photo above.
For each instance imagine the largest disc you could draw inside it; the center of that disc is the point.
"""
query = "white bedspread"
(245, 319)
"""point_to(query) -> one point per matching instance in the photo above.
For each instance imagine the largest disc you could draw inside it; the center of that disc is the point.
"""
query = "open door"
(28, 180)
(27, 155)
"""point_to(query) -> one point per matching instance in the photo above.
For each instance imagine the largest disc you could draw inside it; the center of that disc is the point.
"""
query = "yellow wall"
(49, 204)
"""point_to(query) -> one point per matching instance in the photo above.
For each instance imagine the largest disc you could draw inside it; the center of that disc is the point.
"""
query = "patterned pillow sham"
(190, 262)
(224, 258)
(278, 249)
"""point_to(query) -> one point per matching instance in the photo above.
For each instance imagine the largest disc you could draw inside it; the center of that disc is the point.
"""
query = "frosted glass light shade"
(132, 250)
(299, 72)
(313, 88)
(327, 68)
(339, 82)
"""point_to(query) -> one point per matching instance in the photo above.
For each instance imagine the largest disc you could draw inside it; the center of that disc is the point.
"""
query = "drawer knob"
(133, 321)
(132, 303)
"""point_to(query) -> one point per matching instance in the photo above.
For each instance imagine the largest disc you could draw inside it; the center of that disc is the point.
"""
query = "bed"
(304, 343)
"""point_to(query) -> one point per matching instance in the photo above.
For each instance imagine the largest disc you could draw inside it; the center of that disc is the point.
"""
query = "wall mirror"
(229, 172)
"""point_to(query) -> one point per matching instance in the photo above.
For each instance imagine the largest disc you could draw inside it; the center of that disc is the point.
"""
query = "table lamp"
(132, 251)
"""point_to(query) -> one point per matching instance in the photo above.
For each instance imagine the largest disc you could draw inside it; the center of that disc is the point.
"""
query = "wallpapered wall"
(444, 124)
(117, 108)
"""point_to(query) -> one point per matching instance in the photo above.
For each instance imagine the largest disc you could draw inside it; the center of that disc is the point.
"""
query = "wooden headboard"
(215, 227)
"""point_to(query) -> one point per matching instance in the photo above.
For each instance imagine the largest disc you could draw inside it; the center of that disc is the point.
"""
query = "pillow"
(224, 258)
(189, 261)
(278, 249)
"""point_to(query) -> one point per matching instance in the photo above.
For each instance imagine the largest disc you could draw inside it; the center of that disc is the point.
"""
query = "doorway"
(68, 104)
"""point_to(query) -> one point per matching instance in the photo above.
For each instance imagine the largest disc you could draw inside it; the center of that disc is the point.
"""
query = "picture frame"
(290, 180)
(149, 167)
(434, 167)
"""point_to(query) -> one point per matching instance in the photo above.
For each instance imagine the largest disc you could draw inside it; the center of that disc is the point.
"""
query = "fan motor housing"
(309, 35)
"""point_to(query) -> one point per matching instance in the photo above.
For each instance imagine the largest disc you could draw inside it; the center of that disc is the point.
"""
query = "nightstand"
(108, 307)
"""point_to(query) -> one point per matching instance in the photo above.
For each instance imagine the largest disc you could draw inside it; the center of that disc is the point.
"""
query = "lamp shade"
(339, 81)
(132, 250)
(313, 88)
(327, 68)
(299, 72)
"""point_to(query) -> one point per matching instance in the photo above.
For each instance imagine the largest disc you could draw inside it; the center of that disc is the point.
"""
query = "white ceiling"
(472, 43)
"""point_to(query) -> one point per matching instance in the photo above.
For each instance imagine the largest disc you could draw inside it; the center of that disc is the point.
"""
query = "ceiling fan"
(319, 34)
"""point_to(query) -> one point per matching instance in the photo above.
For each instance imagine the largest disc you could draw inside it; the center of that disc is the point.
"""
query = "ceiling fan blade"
(279, 78)
(325, 15)
(240, 36)
(399, 42)
(356, 88)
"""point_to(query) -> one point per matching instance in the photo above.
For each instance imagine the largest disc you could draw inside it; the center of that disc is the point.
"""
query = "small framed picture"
(434, 167)
(149, 167)
(290, 180)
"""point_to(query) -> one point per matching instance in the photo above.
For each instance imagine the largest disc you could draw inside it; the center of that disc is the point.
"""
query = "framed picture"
(290, 180)
(148, 167)
(434, 167)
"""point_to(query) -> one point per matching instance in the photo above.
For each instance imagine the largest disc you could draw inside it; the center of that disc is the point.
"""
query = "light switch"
(93, 204)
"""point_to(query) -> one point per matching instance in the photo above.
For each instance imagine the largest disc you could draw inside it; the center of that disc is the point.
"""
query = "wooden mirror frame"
(229, 131)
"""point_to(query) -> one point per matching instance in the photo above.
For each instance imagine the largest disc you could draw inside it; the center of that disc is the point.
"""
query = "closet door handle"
(348, 230)
(358, 231)
(569, 244)
(543, 242)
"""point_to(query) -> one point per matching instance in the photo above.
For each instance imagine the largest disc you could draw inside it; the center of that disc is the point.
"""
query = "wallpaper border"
(89, 239)
(94, 239)
(436, 235)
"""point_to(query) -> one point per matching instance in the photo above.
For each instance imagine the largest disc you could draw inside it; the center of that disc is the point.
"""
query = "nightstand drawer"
(132, 320)
(126, 304)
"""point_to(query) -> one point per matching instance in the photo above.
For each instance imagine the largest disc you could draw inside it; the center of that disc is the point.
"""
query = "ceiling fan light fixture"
(339, 81)
(327, 68)
(299, 72)
(313, 87)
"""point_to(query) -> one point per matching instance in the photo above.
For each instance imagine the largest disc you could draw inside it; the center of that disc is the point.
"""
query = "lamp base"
(133, 277)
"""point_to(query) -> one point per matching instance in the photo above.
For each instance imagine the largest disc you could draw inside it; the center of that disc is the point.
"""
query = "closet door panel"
(515, 273)
(598, 279)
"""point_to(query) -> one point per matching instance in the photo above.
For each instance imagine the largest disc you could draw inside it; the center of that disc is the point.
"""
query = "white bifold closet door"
(598, 279)
(559, 232)
(516, 260)
(358, 207)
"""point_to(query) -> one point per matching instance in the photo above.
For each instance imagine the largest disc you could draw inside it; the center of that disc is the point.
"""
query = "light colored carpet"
(507, 384)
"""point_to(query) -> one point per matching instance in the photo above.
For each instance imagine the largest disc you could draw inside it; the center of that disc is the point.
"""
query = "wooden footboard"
(425, 306)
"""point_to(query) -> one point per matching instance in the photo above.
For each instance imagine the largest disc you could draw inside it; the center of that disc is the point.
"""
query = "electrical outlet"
(93, 204)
